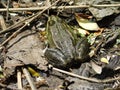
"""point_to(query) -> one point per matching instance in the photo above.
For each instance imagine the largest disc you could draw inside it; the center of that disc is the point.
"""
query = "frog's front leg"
(56, 58)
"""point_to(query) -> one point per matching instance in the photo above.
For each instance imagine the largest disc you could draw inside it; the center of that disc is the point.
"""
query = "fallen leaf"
(104, 60)
(96, 68)
(33, 72)
(85, 23)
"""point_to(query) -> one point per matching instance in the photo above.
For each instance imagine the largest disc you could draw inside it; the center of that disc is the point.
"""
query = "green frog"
(64, 47)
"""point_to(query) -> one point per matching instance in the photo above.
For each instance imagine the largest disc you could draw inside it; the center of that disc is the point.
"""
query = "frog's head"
(53, 19)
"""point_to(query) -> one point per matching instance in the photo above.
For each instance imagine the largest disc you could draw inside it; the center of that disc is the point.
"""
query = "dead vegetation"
(23, 43)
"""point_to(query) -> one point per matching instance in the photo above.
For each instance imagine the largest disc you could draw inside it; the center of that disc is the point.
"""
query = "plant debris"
(23, 43)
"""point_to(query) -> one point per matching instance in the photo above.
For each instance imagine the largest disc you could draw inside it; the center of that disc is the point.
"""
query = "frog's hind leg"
(82, 49)
(55, 57)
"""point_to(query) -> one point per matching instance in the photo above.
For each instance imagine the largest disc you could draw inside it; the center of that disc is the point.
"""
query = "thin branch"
(13, 35)
(27, 23)
(18, 24)
(47, 3)
(29, 78)
(86, 78)
(7, 14)
(19, 82)
(3, 3)
(2, 23)
(106, 5)
(3, 85)
(60, 7)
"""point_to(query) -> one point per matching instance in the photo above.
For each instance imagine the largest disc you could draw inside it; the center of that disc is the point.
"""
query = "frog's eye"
(51, 22)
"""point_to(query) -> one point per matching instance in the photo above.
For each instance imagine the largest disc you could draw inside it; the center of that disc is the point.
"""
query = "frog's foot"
(56, 58)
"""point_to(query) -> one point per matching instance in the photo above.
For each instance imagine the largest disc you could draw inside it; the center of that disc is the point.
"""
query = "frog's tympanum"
(64, 48)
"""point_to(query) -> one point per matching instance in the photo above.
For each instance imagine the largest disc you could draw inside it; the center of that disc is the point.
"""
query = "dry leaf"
(33, 72)
(96, 68)
(104, 60)
(86, 23)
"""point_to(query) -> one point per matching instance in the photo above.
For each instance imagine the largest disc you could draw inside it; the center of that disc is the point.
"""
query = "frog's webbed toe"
(55, 57)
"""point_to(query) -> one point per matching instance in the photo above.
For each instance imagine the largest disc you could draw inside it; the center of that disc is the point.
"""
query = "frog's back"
(62, 38)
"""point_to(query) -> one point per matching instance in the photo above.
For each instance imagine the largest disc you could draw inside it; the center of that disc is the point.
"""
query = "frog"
(64, 47)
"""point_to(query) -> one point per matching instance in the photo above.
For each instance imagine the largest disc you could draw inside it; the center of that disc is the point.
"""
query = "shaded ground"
(26, 48)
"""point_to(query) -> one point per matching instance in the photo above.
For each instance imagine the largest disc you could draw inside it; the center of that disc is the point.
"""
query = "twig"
(13, 35)
(3, 3)
(41, 8)
(19, 82)
(20, 23)
(86, 78)
(47, 3)
(3, 85)
(26, 23)
(111, 39)
(29, 78)
(2, 23)
(7, 14)
(106, 5)
(60, 7)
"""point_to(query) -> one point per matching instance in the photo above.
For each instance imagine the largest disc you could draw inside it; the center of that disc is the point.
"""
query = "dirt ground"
(23, 42)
